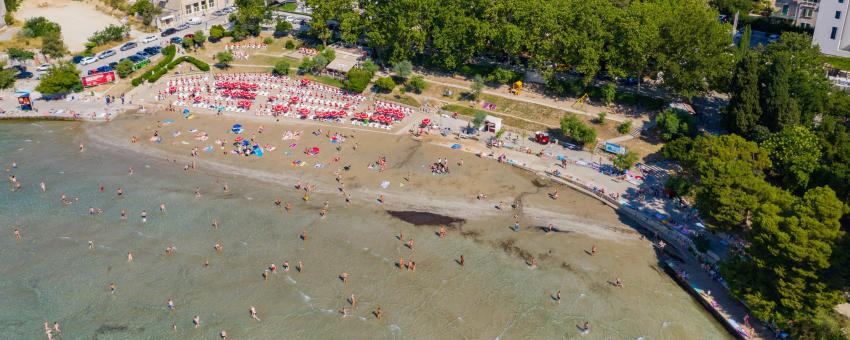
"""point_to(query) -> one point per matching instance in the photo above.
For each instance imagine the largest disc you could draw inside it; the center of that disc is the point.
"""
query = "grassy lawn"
(325, 80)
(287, 7)
(20, 42)
(400, 98)
(840, 63)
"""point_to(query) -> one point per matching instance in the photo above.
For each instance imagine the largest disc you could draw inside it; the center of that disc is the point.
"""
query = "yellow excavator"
(516, 88)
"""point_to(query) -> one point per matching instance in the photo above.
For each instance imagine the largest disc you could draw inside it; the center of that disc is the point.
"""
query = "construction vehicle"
(579, 104)
(516, 88)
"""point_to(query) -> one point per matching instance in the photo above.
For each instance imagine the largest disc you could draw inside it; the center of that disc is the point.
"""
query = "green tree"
(19, 54)
(600, 118)
(478, 119)
(216, 32)
(124, 68)
(357, 79)
(639, 40)
(146, 10)
(791, 244)
(732, 6)
(609, 92)
(673, 124)
(199, 38)
(369, 66)
(805, 73)
(685, 71)
(7, 76)
(224, 58)
(780, 107)
(744, 110)
(307, 65)
(502, 76)
(53, 45)
(795, 153)
(12, 5)
(326, 10)
(476, 87)
(60, 78)
(247, 20)
(417, 84)
(386, 84)
(39, 27)
(403, 69)
(625, 161)
(746, 36)
(282, 28)
(321, 61)
(577, 130)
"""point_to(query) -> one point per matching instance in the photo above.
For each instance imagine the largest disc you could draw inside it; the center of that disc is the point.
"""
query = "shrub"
(124, 68)
(268, 40)
(625, 161)
(624, 127)
(403, 69)
(600, 118)
(137, 81)
(369, 66)
(289, 45)
(386, 84)
(282, 28)
(608, 93)
(417, 84)
(281, 67)
(110, 33)
(216, 32)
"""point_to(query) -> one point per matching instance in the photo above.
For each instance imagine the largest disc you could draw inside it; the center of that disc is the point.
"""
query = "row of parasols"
(380, 118)
(236, 85)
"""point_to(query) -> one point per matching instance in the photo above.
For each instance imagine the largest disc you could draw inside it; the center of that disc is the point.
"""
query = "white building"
(832, 33)
(175, 12)
(801, 13)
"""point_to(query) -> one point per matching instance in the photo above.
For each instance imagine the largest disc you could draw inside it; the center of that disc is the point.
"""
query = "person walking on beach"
(462, 260)
(353, 301)
(378, 313)
(593, 250)
(300, 267)
(17, 235)
(344, 277)
(558, 296)
(196, 320)
(254, 313)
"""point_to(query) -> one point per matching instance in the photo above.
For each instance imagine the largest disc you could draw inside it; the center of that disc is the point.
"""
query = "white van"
(150, 38)
(194, 21)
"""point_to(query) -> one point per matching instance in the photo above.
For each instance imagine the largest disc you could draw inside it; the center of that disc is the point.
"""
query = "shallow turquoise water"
(52, 275)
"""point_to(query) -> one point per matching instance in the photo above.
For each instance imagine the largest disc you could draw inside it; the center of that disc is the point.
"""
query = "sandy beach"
(523, 283)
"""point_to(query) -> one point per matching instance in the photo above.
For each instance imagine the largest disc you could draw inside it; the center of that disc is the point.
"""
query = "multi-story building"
(175, 12)
(832, 33)
(801, 13)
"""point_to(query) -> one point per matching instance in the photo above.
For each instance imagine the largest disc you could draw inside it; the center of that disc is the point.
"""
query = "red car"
(541, 137)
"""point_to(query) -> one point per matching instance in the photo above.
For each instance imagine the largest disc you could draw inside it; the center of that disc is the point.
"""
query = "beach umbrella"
(245, 143)
(314, 150)
(239, 139)
(236, 128)
(426, 121)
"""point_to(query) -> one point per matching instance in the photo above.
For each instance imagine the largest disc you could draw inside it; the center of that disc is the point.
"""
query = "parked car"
(88, 60)
(229, 9)
(168, 32)
(20, 68)
(182, 27)
(77, 59)
(189, 36)
(134, 58)
(93, 71)
(113, 64)
(129, 46)
(176, 40)
(142, 54)
(104, 68)
(106, 54)
(194, 21)
(24, 75)
(150, 38)
(43, 67)
(153, 50)
(218, 13)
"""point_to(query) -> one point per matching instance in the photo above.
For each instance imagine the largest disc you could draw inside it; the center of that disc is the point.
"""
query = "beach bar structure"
(491, 124)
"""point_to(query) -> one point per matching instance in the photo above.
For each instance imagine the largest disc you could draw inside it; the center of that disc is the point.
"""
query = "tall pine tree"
(780, 108)
(744, 108)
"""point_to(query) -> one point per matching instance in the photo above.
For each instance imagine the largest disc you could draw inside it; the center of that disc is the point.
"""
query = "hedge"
(169, 63)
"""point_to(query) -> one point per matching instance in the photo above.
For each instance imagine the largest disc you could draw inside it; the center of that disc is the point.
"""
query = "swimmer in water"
(218, 248)
(17, 235)
(300, 267)
(129, 257)
(144, 216)
(304, 235)
(215, 224)
(344, 277)
(196, 320)
(197, 192)
(112, 288)
(123, 214)
(162, 207)
(91, 245)
(130, 171)
(378, 313)
(226, 188)
(43, 187)
(170, 304)
(223, 335)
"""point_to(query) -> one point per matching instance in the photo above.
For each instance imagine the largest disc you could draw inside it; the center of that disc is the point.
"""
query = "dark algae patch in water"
(424, 218)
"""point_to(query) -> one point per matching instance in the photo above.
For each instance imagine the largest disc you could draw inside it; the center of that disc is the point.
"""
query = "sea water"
(52, 275)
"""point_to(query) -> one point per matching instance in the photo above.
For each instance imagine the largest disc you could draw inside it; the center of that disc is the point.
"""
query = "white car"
(88, 60)
(43, 67)
(194, 21)
(150, 38)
